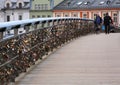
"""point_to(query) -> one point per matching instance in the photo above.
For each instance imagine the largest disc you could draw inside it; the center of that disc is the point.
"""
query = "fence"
(20, 51)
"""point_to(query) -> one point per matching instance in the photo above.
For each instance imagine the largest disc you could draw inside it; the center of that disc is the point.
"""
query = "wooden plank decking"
(88, 60)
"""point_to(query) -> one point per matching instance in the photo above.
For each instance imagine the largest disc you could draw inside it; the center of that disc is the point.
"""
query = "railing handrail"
(20, 50)
(10, 25)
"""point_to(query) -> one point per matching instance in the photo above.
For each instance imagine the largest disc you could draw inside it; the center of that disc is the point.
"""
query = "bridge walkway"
(88, 60)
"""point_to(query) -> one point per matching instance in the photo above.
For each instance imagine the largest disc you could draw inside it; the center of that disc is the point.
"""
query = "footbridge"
(58, 51)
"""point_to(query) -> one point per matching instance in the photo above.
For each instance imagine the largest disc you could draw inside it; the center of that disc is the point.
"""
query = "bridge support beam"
(43, 25)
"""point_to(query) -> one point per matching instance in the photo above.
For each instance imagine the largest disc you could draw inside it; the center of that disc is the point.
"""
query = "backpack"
(98, 20)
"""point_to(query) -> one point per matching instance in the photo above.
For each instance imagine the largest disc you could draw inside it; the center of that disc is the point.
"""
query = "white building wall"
(119, 18)
(78, 14)
(90, 15)
(14, 15)
(1, 16)
(109, 13)
(62, 14)
(54, 14)
(26, 14)
(70, 14)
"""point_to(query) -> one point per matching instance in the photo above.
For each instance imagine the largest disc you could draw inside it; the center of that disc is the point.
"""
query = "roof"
(14, 4)
(17, 0)
(87, 4)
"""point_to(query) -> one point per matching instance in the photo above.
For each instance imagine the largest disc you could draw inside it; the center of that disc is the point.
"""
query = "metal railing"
(20, 51)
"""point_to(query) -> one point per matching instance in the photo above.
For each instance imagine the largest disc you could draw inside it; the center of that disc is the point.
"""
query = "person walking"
(97, 22)
(107, 21)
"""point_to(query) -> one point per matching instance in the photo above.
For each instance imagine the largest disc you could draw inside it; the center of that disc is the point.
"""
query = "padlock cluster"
(19, 53)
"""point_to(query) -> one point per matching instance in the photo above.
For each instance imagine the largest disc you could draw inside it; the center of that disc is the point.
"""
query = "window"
(115, 17)
(38, 16)
(43, 16)
(66, 14)
(57, 15)
(20, 17)
(45, 7)
(108, 2)
(7, 5)
(86, 3)
(104, 14)
(36, 6)
(102, 2)
(79, 3)
(84, 15)
(20, 5)
(49, 15)
(33, 16)
(74, 14)
(8, 18)
(68, 3)
(41, 6)
(94, 16)
(115, 14)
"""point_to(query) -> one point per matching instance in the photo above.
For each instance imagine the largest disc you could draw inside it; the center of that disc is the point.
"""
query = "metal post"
(43, 25)
(15, 31)
(63, 21)
(48, 23)
(27, 28)
(59, 22)
(35, 26)
(79, 24)
(53, 22)
(1, 35)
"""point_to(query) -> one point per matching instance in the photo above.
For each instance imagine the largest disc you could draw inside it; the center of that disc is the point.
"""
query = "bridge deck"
(88, 60)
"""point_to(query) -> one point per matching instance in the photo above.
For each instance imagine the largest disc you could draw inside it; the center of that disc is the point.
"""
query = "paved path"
(88, 60)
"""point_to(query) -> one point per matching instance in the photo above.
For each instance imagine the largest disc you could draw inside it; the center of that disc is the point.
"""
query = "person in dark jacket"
(107, 22)
(97, 22)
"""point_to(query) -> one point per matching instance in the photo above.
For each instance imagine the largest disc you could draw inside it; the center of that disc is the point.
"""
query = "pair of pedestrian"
(106, 22)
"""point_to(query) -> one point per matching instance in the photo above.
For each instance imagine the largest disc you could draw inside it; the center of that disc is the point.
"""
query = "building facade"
(88, 9)
(42, 8)
(12, 10)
